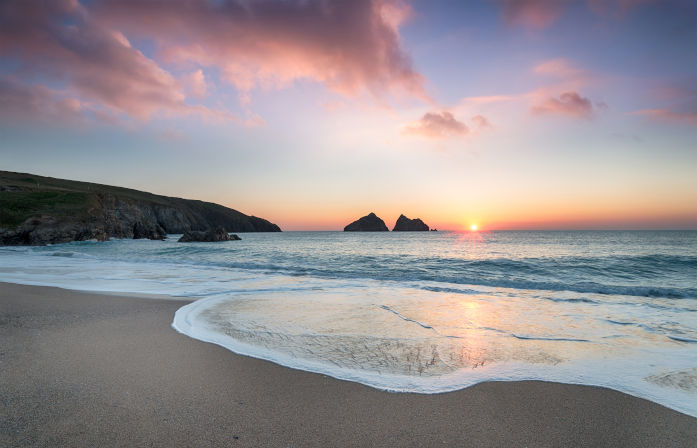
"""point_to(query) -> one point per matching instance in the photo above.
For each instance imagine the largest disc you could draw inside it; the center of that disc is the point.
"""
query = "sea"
(420, 312)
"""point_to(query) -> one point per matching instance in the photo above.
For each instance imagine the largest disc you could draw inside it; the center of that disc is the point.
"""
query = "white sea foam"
(354, 339)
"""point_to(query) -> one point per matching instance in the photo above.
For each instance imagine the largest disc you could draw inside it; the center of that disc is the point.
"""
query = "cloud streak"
(60, 43)
(540, 14)
(669, 116)
(561, 69)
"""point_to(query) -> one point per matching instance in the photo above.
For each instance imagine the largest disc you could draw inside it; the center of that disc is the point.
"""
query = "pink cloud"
(539, 14)
(674, 103)
(532, 13)
(58, 42)
(559, 68)
(352, 47)
(569, 104)
(488, 99)
(437, 125)
(196, 83)
(19, 102)
(669, 116)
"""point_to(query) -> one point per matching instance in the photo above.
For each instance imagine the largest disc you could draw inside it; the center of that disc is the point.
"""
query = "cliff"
(368, 223)
(38, 210)
(405, 224)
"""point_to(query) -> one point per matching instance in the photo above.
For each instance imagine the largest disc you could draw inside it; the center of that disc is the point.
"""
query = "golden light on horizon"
(473, 227)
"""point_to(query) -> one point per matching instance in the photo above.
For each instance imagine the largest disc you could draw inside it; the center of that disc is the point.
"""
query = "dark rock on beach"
(219, 234)
(405, 224)
(38, 210)
(150, 231)
(368, 223)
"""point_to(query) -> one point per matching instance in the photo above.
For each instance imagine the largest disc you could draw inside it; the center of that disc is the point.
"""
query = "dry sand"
(84, 369)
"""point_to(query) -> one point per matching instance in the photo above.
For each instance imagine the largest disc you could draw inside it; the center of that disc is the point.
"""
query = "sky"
(527, 114)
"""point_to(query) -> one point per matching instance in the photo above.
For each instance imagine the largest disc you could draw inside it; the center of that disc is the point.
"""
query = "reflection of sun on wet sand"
(423, 340)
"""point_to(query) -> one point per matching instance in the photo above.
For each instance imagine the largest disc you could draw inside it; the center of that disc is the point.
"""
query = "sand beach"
(88, 369)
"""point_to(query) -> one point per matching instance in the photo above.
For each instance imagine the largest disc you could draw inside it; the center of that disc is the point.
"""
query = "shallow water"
(421, 312)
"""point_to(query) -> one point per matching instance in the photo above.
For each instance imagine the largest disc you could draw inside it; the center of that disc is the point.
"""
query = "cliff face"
(405, 224)
(368, 223)
(39, 210)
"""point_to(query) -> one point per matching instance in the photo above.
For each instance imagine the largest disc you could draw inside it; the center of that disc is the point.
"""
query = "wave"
(541, 338)
(682, 339)
(387, 308)
(449, 290)
(383, 362)
(517, 336)
(653, 276)
(501, 281)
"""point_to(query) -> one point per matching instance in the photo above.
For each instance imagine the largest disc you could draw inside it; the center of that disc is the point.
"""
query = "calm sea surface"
(421, 312)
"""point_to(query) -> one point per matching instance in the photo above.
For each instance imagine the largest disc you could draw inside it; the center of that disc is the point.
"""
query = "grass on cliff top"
(31, 182)
(23, 196)
(17, 206)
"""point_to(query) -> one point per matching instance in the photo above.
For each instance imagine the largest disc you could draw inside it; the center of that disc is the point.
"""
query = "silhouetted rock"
(219, 234)
(405, 224)
(369, 223)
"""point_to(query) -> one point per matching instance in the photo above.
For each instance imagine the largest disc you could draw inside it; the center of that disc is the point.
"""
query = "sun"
(473, 227)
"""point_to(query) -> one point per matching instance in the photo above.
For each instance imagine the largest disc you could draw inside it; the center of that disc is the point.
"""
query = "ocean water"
(420, 312)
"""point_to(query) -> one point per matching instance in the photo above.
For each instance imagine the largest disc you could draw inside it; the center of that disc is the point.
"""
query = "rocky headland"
(38, 210)
(368, 223)
(405, 224)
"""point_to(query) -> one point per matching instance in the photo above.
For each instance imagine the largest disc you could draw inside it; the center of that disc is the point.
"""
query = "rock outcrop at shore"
(37, 210)
(151, 231)
(405, 224)
(368, 223)
(219, 234)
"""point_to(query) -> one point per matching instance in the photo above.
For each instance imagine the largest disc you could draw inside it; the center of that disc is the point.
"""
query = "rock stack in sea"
(368, 223)
(405, 224)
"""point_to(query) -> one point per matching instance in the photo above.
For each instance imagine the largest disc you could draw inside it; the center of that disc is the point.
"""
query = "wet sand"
(86, 369)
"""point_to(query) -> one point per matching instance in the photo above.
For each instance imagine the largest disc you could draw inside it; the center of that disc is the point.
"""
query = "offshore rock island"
(372, 223)
(368, 223)
(38, 210)
(405, 224)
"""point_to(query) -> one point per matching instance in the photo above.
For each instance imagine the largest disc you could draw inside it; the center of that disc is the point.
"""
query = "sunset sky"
(507, 114)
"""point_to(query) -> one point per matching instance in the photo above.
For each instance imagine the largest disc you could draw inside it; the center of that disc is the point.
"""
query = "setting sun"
(473, 227)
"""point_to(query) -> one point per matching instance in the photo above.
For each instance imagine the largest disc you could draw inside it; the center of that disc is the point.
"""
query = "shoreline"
(95, 368)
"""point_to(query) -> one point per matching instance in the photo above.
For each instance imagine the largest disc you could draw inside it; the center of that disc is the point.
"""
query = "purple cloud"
(569, 104)
(437, 125)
